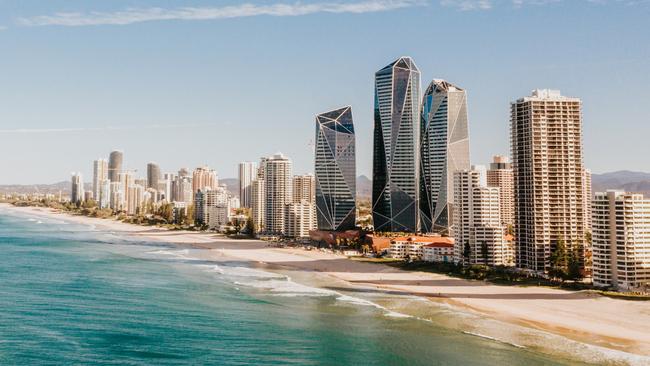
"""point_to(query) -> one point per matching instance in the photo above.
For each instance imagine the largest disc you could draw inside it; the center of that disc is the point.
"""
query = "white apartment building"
(258, 204)
(500, 175)
(414, 247)
(77, 188)
(278, 187)
(247, 173)
(621, 241)
(477, 220)
(299, 219)
(438, 252)
(304, 188)
(100, 174)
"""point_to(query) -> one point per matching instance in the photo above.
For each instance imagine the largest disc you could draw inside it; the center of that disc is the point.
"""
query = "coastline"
(580, 316)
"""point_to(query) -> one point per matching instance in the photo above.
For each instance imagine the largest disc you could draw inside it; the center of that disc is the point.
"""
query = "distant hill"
(232, 185)
(364, 187)
(624, 179)
(53, 188)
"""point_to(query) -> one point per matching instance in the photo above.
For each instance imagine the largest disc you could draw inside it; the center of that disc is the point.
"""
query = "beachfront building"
(247, 173)
(444, 149)
(115, 161)
(258, 204)
(412, 247)
(300, 218)
(100, 174)
(303, 188)
(588, 196)
(621, 241)
(277, 192)
(396, 147)
(546, 143)
(134, 199)
(77, 188)
(440, 251)
(478, 230)
(500, 175)
(335, 167)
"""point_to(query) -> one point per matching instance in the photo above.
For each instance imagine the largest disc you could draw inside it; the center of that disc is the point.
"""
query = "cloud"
(104, 129)
(467, 5)
(2, 27)
(139, 15)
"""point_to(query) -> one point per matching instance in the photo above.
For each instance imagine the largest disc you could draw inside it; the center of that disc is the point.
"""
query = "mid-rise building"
(300, 218)
(546, 142)
(621, 241)
(115, 161)
(303, 188)
(77, 188)
(588, 196)
(153, 175)
(500, 176)
(247, 173)
(396, 147)
(278, 186)
(444, 149)
(335, 167)
(100, 173)
(478, 231)
(134, 199)
(105, 194)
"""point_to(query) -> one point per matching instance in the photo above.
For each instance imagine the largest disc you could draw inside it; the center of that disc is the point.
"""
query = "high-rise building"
(134, 199)
(247, 173)
(278, 184)
(100, 173)
(204, 177)
(335, 167)
(546, 142)
(117, 196)
(396, 147)
(258, 204)
(153, 175)
(165, 186)
(182, 190)
(303, 188)
(477, 228)
(444, 149)
(77, 188)
(115, 161)
(500, 175)
(300, 218)
(105, 194)
(621, 241)
(588, 196)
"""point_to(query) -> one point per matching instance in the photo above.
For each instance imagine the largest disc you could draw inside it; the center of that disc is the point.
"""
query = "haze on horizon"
(220, 82)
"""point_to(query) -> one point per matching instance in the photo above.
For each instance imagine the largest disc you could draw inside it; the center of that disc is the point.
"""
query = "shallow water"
(71, 294)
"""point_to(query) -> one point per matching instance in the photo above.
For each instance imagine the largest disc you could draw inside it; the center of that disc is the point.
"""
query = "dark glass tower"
(444, 149)
(395, 159)
(115, 165)
(335, 167)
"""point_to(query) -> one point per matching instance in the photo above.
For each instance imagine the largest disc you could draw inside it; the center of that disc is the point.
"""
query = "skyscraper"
(153, 175)
(100, 173)
(444, 149)
(115, 161)
(335, 167)
(621, 241)
(77, 188)
(500, 175)
(546, 142)
(278, 184)
(258, 204)
(396, 148)
(247, 173)
(588, 196)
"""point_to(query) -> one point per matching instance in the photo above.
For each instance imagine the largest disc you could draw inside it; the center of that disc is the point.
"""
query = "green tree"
(574, 268)
(559, 260)
(467, 250)
(484, 252)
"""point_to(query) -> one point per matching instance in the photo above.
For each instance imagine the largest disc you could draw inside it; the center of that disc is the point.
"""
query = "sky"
(189, 83)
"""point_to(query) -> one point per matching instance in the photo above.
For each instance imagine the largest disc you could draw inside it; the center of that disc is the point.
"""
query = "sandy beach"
(581, 316)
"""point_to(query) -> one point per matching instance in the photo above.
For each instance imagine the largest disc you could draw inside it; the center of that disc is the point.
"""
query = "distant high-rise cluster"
(247, 173)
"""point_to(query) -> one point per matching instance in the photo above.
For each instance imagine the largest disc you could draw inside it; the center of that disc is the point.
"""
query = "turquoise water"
(70, 294)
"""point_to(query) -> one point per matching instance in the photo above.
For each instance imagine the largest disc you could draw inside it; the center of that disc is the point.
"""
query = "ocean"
(72, 294)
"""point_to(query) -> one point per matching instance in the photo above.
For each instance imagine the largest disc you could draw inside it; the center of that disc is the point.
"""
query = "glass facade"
(395, 157)
(335, 167)
(444, 149)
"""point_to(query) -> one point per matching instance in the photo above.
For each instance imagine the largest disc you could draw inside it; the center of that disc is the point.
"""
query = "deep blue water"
(73, 295)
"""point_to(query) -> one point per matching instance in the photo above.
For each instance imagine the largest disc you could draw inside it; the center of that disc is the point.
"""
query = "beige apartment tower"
(304, 188)
(621, 241)
(500, 176)
(546, 142)
(277, 189)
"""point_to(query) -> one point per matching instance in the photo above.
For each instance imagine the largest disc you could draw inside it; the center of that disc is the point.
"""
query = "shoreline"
(580, 316)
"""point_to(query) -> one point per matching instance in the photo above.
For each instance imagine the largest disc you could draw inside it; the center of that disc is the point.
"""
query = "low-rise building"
(413, 247)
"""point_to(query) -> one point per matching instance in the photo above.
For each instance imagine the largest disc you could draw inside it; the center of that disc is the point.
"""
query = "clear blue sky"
(186, 83)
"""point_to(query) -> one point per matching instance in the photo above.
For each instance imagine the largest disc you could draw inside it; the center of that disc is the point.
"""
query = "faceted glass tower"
(395, 157)
(444, 149)
(335, 167)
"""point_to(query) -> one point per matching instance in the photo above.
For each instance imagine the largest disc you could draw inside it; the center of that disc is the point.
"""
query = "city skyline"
(102, 105)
